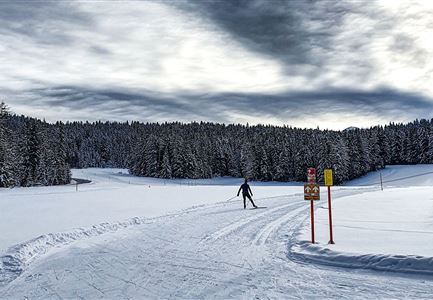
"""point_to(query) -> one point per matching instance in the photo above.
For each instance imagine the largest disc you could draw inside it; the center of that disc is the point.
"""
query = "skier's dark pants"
(245, 198)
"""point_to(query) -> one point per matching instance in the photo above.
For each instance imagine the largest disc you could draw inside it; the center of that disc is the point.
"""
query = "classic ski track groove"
(243, 222)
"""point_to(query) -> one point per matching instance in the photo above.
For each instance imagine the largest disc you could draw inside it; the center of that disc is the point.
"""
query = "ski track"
(216, 251)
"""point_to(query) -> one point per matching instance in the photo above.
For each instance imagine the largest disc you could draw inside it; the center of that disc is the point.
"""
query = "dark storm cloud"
(278, 28)
(298, 105)
(126, 104)
(41, 21)
(286, 108)
(303, 33)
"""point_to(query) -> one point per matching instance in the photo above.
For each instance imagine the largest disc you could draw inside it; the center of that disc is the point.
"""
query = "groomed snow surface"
(126, 237)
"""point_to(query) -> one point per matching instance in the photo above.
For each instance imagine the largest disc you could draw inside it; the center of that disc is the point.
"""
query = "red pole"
(331, 238)
(312, 221)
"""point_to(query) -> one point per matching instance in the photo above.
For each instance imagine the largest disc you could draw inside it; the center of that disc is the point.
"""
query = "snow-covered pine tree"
(302, 159)
(151, 156)
(424, 131)
(282, 166)
(189, 162)
(30, 153)
(177, 163)
(166, 171)
(7, 176)
(246, 161)
(61, 173)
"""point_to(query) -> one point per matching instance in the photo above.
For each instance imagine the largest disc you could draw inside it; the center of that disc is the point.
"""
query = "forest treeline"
(35, 152)
(32, 152)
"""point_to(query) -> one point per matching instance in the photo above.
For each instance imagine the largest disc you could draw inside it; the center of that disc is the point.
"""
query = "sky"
(332, 64)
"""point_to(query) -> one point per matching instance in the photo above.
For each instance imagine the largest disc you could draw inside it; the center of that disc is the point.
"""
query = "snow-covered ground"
(386, 230)
(398, 176)
(113, 195)
(395, 221)
(189, 239)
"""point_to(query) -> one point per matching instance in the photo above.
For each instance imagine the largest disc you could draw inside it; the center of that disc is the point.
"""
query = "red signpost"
(311, 193)
(331, 238)
(329, 182)
(312, 221)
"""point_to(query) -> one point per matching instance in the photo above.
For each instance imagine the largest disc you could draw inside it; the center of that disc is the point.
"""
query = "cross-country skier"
(246, 190)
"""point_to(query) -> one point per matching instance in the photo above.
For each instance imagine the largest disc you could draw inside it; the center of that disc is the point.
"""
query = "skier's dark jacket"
(245, 189)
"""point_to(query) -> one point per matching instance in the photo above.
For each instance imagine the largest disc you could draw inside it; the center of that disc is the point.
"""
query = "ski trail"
(243, 222)
(263, 235)
(217, 251)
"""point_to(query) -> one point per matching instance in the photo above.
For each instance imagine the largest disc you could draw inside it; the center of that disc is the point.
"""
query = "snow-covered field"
(113, 195)
(386, 230)
(398, 176)
(395, 221)
(123, 236)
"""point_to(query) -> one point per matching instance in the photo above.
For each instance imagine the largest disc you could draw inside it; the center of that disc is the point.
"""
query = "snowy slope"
(397, 176)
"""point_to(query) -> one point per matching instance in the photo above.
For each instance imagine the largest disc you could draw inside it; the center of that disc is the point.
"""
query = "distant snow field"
(113, 195)
(147, 237)
(398, 176)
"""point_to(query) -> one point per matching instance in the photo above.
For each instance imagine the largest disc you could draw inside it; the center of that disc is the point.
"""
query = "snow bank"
(305, 251)
(16, 258)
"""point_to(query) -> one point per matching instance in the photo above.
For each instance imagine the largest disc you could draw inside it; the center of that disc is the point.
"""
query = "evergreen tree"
(246, 162)
(166, 166)
(61, 171)
(7, 175)
(30, 153)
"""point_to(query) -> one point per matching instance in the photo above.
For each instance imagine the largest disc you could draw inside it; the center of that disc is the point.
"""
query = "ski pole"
(231, 198)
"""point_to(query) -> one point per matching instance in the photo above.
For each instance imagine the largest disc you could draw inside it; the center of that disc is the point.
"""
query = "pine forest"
(34, 152)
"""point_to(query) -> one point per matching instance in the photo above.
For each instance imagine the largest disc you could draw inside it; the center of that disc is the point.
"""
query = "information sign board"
(311, 191)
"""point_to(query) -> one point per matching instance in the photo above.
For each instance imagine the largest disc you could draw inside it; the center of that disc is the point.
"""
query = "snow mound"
(14, 261)
(304, 251)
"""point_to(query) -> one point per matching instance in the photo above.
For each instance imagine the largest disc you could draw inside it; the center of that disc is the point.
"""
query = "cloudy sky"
(307, 63)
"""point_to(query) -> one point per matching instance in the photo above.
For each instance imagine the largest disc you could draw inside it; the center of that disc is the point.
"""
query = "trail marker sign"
(311, 175)
(328, 177)
(311, 191)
